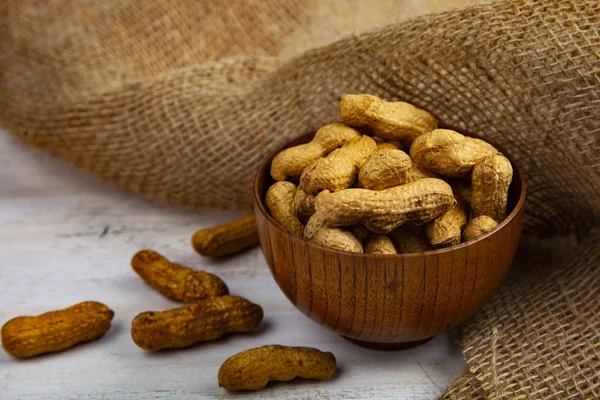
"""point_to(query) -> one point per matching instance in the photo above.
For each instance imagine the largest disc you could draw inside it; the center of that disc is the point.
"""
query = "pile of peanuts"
(353, 188)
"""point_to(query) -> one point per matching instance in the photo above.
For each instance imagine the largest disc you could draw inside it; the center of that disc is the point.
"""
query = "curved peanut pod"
(338, 239)
(380, 244)
(410, 238)
(477, 227)
(449, 153)
(254, 368)
(280, 202)
(197, 322)
(491, 179)
(226, 239)
(291, 162)
(176, 281)
(385, 168)
(339, 169)
(445, 230)
(304, 205)
(55, 330)
(384, 210)
(388, 120)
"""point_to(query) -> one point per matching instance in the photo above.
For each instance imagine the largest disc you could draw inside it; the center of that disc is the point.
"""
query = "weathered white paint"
(67, 237)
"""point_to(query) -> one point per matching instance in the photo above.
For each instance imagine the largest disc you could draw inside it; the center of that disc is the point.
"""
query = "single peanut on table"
(388, 120)
(176, 281)
(410, 238)
(226, 239)
(290, 163)
(254, 368)
(449, 153)
(380, 244)
(280, 202)
(478, 227)
(491, 179)
(55, 330)
(445, 230)
(385, 168)
(197, 322)
(339, 169)
(339, 239)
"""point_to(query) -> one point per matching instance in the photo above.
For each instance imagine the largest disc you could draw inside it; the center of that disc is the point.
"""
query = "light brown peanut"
(478, 227)
(254, 368)
(197, 322)
(304, 205)
(380, 244)
(338, 239)
(417, 172)
(226, 239)
(445, 230)
(389, 120)
(280, 202)
(385, 168)
(410, 238)
(291, 162)
(449, 153)
(491, 179)
(384, 210)
(339, 169)
(55, 330)
(176, 281)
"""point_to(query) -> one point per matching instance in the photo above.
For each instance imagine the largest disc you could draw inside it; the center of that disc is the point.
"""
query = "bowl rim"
(259, 204)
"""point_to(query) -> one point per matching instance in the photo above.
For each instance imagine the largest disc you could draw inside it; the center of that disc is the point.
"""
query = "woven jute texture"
(182, 99)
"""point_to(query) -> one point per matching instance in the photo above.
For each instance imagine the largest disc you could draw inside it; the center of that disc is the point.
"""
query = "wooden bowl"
(388, 301)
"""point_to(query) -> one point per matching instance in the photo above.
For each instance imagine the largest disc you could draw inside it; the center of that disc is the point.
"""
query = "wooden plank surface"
(66, 237)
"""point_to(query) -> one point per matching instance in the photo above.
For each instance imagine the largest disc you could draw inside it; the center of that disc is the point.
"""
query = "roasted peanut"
(388, 120)
(338, 239)
(197, 322)
(380, 244)
(417, 172)
(291, 162)
(55, 330)
(304, 205)
(226, 239)
(385, 168)
(477, 227)
(448, 153)
(254, 368)
(384, 210)
(176, 281)
(339, 169)
(491, 179)
(410, 238)
(280, 202)
(445, 230)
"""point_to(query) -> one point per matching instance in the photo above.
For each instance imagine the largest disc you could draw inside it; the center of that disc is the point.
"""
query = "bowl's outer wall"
(387, 299)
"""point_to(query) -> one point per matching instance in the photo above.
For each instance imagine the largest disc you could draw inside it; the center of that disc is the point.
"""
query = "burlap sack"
(181, 100)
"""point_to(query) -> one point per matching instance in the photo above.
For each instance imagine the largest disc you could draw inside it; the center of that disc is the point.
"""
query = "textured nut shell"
(448, 153)
(197, 322)
(254, 368)
(291, 162)
(491, 179)
(360, 232)
(477, 227)
(384, 210)
(387, 145)
(176, 281)
(304, 205)
(410, 238)
(388, 120)
(380, 244)
(280, 202)
(385, 168)
(55, 330)
(338, 239)
(339, 169)
(445, 230)
(417, 172)
(226, 239)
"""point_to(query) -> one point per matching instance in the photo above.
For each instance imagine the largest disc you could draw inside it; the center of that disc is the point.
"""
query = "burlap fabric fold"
(181, 100)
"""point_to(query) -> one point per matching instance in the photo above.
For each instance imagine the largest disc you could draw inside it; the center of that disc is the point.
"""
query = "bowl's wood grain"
(388, 299)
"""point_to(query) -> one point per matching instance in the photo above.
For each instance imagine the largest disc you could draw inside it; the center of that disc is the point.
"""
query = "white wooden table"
(66, 237)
